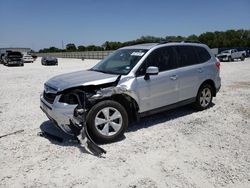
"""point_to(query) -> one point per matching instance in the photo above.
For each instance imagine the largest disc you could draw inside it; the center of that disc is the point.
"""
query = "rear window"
(186, 56)
(202, 53)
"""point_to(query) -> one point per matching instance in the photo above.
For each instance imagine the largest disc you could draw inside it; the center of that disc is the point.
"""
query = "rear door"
(162, 89)
(190, 72)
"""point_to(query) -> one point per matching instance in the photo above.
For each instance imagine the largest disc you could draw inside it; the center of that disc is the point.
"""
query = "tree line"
(217, 39)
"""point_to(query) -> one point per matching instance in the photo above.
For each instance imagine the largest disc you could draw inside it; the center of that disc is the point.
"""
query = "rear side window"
(163, 58)
(202, 54)
(186, 56)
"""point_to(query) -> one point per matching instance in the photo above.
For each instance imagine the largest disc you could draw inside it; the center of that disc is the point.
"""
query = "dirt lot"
(179, 148)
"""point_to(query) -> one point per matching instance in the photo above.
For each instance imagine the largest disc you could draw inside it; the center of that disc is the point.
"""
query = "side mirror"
(151, 71)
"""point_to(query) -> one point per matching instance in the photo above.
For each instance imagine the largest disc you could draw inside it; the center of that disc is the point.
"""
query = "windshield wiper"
(106, 72)
(98, 70)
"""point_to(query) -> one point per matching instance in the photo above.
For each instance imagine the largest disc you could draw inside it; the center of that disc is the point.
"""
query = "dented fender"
(125, 87)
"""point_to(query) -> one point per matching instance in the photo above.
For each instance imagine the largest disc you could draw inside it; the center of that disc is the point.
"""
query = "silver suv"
(132, 82)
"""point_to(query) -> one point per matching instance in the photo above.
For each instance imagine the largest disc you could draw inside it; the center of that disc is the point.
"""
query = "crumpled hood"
(80, 78)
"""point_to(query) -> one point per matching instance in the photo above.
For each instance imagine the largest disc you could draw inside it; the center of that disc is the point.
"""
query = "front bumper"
(28, 61)
(223, 58)
(59, 113)
(51, 62)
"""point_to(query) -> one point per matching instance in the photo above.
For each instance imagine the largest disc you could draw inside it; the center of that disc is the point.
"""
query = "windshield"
(50, 57)
(120, 62)
(14, 54)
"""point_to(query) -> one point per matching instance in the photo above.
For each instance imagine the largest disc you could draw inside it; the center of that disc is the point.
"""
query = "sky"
(44, 23)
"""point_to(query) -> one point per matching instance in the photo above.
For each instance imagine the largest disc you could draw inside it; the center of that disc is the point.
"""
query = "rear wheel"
(107, 121)
(242, 58)
(204, 97)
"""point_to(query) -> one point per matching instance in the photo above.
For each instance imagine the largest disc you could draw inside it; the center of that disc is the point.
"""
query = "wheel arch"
(129, 104)
(212, 84)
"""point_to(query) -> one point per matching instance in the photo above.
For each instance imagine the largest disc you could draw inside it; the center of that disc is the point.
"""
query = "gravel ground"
(178, 148)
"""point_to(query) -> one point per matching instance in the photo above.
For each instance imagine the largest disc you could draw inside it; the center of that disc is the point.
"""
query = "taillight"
(217, 64)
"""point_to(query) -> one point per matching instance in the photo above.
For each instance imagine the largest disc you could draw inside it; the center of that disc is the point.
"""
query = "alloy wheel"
(205, 97)
(108, 121)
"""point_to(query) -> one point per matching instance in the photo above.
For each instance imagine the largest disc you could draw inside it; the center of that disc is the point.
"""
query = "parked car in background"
(231, 55)
(27, 58)
(132, 82)
(49, 60)
(13, 58)
(1, 58)
(34, 57)
(247, 53)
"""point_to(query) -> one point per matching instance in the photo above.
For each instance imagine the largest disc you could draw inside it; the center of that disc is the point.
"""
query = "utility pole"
(62, 45)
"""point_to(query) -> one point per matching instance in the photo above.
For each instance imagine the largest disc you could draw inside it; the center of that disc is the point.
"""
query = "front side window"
(163, 58)
(120, 62)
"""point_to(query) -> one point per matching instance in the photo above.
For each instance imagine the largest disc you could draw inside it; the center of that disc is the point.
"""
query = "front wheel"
(107, 121)
(230, 59)
(204, 97)
(242, 58)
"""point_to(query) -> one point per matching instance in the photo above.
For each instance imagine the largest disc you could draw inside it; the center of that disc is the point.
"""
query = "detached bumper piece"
(83, 137)
(79, 130)
(86, 140)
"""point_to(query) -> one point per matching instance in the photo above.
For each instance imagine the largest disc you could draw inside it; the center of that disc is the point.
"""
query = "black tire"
(242, 58)
(201, 104)
(230, 59)
(96, 111)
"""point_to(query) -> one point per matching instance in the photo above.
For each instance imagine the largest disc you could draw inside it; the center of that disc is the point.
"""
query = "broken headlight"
(70, 98)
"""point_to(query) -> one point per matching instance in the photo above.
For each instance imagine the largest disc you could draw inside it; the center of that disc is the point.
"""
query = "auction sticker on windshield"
(137, 54)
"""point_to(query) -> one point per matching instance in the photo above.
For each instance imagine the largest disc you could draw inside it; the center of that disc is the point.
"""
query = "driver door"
(162, 89)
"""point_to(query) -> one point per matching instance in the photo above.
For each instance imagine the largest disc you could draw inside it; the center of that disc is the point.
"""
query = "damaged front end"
(68, 108)
(63, 107)
(73, 120)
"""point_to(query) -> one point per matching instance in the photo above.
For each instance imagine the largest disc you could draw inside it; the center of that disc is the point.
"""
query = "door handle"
(173, 77)
(200, 70)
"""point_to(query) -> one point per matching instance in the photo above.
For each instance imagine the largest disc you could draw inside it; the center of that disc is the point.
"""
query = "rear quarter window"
(202, 54)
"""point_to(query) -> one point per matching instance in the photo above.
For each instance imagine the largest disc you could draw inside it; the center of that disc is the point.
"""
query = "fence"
(78, 55)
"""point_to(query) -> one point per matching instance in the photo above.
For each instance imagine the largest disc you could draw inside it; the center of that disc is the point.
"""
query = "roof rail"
(191, 41)
(180, 41)
(168, 41)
